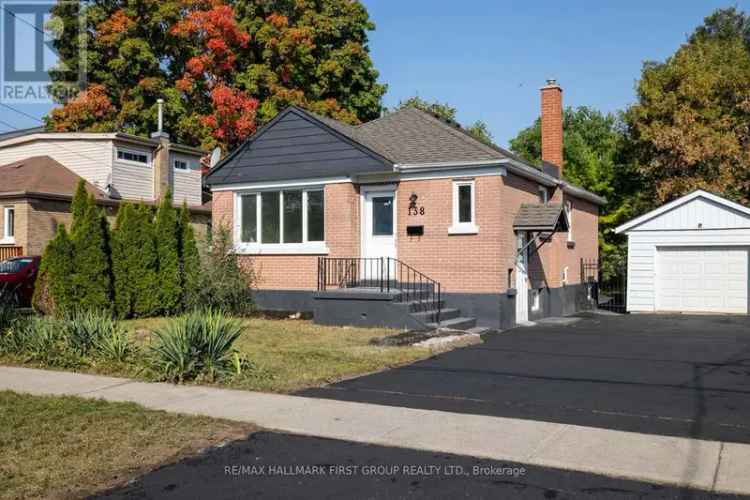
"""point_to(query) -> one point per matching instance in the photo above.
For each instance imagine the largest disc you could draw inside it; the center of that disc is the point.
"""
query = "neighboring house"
(40, 171)
(690, 255)
(309, 198)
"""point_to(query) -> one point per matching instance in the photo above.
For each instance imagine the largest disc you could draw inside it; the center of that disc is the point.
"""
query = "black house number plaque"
(413, 208)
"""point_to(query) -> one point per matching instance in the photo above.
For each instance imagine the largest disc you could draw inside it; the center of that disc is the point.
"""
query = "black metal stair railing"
(385, 274)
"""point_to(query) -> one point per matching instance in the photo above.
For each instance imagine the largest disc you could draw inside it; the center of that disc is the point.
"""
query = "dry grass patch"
(289, 355)
(64, 447)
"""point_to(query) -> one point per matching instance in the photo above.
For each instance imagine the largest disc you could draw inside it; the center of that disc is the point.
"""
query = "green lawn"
(65, 447)
(293, 354)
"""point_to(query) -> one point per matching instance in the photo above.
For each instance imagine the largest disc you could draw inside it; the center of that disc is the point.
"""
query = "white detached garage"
(690, 255)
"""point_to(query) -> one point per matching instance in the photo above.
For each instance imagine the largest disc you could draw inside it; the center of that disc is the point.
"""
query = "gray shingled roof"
(413, 136)
(538, 217)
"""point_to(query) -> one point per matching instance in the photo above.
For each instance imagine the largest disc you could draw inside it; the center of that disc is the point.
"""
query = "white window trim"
(565, 275)
(464, 227)
(304, 248)
(181, 170)
(8, 239)
(149, 158)
(569, 214)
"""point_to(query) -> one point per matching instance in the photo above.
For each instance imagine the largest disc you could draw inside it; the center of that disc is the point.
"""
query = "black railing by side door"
(385, 274)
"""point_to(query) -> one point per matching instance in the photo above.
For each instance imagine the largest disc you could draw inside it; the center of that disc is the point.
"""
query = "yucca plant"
(86, 330)
(197, 345)
(115, 345)
(40, 339)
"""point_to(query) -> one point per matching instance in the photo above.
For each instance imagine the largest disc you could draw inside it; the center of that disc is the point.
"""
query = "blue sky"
(489, 58)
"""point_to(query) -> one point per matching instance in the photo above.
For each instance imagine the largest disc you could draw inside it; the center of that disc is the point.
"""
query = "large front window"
(284, 220)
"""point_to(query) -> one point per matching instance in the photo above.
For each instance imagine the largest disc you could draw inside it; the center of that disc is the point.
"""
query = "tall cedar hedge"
(167, 236)
(145, 267)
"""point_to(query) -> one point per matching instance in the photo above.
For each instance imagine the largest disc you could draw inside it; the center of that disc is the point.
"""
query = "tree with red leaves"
(223, 67)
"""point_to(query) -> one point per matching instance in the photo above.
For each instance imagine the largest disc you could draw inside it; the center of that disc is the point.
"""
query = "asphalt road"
(683, 376)
(287, 466)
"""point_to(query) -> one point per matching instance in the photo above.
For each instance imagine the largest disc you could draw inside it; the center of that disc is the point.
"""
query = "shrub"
(7, 309)
(53, 292)
(40, 339)
(190, 261)
(198, 345)
(167, 250)
(222, 283)
(85, 330)
(92, 265)
(115, 345)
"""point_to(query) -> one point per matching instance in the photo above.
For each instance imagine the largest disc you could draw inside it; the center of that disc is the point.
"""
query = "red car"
(17, 277)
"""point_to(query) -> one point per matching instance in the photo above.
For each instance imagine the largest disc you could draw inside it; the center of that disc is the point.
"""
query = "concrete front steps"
(425, 311)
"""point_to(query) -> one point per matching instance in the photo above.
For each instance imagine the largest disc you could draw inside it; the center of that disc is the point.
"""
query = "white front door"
(378, 227)
(522, 275)
(702, 279)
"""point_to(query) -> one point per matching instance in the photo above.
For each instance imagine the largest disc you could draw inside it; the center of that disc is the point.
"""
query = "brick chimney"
(552, 127)
(162, 170)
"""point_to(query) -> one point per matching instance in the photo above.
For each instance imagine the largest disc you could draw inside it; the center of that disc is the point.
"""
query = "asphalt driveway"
(684, 376)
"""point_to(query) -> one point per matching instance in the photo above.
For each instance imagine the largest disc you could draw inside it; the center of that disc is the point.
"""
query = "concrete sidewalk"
(707, 465)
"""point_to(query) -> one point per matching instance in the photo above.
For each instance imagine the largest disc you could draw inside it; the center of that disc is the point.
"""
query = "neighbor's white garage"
(690, 256)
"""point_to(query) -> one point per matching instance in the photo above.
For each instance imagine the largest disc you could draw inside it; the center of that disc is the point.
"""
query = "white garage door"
(703, 279)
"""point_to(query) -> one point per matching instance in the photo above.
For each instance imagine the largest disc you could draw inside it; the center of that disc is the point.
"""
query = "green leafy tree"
(690, 126)
(167, 235)
(190, 261)
(597, 157)
(478, 129)
(221, 67)
(53, 293)
(92, 274)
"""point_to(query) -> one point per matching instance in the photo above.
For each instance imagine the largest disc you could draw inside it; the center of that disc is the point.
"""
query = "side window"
(464, 208)
(9, 223)
(180, 165)
(569, 213)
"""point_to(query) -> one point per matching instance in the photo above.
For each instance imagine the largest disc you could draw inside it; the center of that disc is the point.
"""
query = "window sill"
(7, 241)
(464, 229)
(283, 249)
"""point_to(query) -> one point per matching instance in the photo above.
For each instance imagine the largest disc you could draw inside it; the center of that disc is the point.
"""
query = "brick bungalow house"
(40, 171)
(349, 221)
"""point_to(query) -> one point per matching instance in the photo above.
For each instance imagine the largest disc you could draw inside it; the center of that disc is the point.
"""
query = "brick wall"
(474, 263)
(460, 262)
(300, 272)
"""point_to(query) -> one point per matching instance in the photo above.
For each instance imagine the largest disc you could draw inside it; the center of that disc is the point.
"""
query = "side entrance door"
(522, 275)
(378, 228)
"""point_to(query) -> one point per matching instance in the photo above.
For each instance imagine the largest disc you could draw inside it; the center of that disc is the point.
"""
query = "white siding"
(133, 181)
(186, 184)
(89, 159)
(642, 253)
(707, 213)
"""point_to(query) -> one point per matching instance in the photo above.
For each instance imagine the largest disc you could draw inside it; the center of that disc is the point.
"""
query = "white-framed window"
(289, 220)
(565, 275)
(9, 225)
(569, 214)
(133, 156)
(464, 208)
(543, 195)
(181, 165)
(536, 300)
